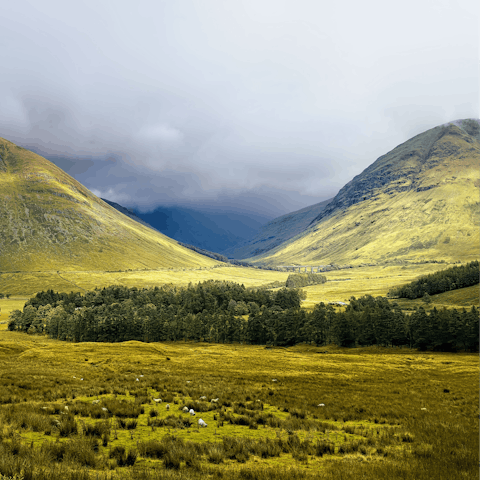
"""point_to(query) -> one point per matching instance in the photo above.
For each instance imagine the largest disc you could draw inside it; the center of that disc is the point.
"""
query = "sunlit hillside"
(49, 221)
(418, 202)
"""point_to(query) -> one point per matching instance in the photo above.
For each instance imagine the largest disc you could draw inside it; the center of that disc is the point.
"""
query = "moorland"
(86, 410)
(387, 412)
(286, 403)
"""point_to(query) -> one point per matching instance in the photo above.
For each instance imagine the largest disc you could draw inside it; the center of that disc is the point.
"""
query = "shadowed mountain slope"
(128, 213)
(418, 202)
(210, 230)
(277, 231)
(49, 221)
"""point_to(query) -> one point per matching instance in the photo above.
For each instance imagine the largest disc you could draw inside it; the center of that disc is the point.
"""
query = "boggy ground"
(388, 413)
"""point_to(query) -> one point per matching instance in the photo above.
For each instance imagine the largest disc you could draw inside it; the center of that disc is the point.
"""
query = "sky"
(260, 105)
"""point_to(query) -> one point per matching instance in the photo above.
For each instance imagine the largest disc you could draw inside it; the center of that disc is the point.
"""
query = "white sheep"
(95, 402)
(157, 400)
(105, 409)
(201, 423)
(66, 408)
(214, 400)
(168, 407)
(274, 380)
(321, 404)
(185, 409)
(423, 409)
(188, 381)
(192, 412)
(137, 379)
(203, 398)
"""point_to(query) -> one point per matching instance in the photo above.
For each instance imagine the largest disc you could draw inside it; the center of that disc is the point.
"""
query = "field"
(7, 305)
(378, 280)
(341, 284)
(77, 281)
(387, 414)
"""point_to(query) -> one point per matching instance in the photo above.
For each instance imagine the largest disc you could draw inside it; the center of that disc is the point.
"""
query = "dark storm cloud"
(261, 103)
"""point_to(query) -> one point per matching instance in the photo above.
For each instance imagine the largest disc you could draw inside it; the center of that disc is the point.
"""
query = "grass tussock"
(387, 413)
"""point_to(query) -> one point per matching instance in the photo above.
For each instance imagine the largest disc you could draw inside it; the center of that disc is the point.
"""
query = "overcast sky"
(268, 105)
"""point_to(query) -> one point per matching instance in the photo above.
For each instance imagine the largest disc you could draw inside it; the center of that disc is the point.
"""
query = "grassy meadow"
(378, 280)
(341, 284)
(77, 281)
(7, 305)
(388, 413)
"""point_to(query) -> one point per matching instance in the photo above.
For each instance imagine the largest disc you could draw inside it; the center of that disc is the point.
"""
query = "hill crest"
(49, 221)
(417, 202)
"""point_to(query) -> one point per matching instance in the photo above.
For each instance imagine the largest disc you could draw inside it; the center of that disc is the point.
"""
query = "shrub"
(96, 430)
(215, 455)
(324, 448)
(171, 461)
(67, 426)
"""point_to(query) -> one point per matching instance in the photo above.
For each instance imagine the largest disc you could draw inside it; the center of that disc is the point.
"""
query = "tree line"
(225, 312)
(439, 282)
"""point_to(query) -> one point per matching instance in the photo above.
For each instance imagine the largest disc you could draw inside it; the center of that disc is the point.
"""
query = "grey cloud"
(206, 102)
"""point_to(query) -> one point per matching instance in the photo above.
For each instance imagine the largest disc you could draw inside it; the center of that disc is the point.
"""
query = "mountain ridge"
(277, 231)
(419, 201)
(355, 191)
(49, 221)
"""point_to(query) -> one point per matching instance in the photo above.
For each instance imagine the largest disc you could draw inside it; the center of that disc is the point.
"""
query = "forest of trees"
(298, 280)
(215, 311)
(439, 282)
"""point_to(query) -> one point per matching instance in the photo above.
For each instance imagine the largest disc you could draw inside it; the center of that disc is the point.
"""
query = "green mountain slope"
(418, 202)
(277, 231)
(49, 221)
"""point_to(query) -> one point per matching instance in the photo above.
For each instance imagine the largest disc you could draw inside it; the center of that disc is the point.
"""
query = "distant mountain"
(215, 231)
(418, 202)
(277, 231)
(128, 213)
(49, 221)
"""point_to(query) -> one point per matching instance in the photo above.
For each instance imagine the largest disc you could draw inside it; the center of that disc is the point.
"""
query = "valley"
(97, 410)
(340, 286)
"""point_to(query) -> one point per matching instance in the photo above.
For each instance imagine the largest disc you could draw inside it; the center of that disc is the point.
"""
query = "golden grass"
(374, 394)
(7, 305)
(463, 297)
(341, 284)
(377, 281)
(66, 281)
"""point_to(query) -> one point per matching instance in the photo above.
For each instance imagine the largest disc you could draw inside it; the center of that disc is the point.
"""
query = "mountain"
(49, 221)
(277, 231)
(215, 231)
(127, 212)
(418, 202)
